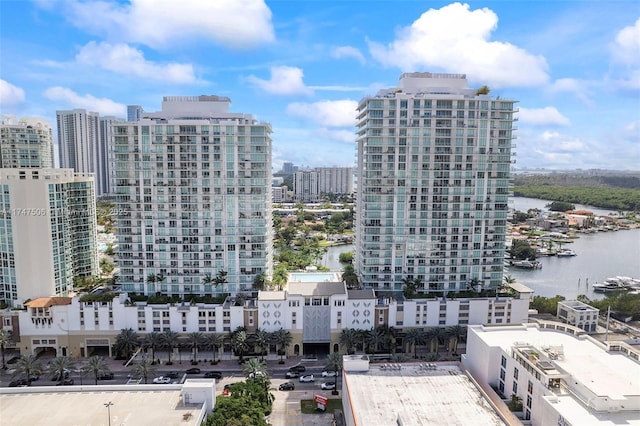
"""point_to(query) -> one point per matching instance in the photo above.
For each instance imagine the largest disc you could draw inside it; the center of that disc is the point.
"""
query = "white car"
(162, 380)
(328, 386)
(329, 373)
(307, 379)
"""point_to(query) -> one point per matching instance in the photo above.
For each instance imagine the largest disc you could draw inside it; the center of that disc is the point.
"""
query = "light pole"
(108, 405)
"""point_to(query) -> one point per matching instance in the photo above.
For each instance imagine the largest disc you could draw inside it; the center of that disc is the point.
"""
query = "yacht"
(566, 253)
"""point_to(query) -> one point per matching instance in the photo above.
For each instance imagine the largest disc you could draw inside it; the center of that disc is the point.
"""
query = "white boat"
(566, 253)
(526, 264)
(609, 285)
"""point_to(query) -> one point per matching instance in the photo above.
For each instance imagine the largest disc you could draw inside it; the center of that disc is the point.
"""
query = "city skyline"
(573, 65)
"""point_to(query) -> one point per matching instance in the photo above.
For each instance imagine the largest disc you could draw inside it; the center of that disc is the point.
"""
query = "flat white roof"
(572, 410)
(69, 405)
(603, 373)
(414, 396)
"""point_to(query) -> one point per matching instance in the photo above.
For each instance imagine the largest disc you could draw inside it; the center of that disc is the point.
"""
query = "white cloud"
(626, 56)
(162, 23)
(456, 39)
(340, 113)
(10, 95)
(348, 52)
(126, 60)
(579, 88)
(345, 136)
(542, 116)
(102, 105)
(284, 81)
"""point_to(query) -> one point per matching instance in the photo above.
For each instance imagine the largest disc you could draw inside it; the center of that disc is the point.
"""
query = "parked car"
(213, 375)
(329, 373)
(65, 382)
(287, 386)
(18, 383)
(194, 370)
(307, 379)
(328, 386)
(292, 374)
(227, 387)
(56, 375)
(172, 375)
(298, 368)
(106, 376)
(13, 359)
(162, 380)
(33, 377)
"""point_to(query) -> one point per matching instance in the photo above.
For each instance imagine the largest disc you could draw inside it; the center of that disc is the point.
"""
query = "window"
(529, 401)
(530, 387)
(515, 387)
(503, 374)
(503, 361)
(515, 373)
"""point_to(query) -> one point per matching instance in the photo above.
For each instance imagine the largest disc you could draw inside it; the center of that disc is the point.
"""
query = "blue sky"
(573, 65)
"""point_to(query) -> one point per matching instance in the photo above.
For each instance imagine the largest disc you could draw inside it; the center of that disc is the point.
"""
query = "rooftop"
(46, 302)
(417, 395)
(132, 404)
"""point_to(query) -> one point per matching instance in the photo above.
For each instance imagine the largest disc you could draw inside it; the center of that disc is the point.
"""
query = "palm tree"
(28, 365)
(387, 337)
(153, 341)
(254, 368)
(261, 282)
(144, 369)
(4, 340)
(283, 338)
(126, 343)
(240, 343)
(59, 365)
(456, 332)
(441, 336)
(195, 340)
(262, 339)
(170, 340)
(374, 340)
(432, 338)
(409, 287)
(363, 336)
(334, 362)
(347, 340)
(213, 341)
(220, 279)
(207, 280)
(97, 366)
(415, 337)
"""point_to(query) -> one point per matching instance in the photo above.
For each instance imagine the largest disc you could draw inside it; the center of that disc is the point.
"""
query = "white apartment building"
(335, 180)
(561, 375)
(105, 176)
(279, 194)
(193, 190)
(305, 186)
(314, 312)
(81, 147)
(578, 314)
(434, 162)
(47, 232)
(26, 143)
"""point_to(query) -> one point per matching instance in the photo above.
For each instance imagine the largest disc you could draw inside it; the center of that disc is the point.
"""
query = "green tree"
(350, 277)
(414, 338)
(195, 340)
(521, 249)
(346, 257)
(283, 339)
(237, 411)
(144, 369)
(5, 339)
(334, 362)
(213, 341)
(170, 340)
(97, 366)
(347, 340)
(240, 343)
(262, 339)
(221, 278)
(153, 341)
(261, 282)
(127, 341)
(26, 366)
(59, 365)
(456, 333)
(560, 206)
(254, 367)
(546, 305)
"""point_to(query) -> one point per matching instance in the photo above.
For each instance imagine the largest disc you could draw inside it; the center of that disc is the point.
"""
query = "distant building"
(335, 180)
(434, 160)
(579, 315)
(193, 194)
(105, 176)
(279, 194)
(134, 113)
(559, 374)
(48, 231)
(26, 143)
(81, 147)
(305, 186)
(288, 168)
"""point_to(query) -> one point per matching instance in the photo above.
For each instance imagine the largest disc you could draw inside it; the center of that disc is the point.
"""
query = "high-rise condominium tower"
(25, 143)
(434, 162)
(80, 145)
(47, 232)
(193, 190)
